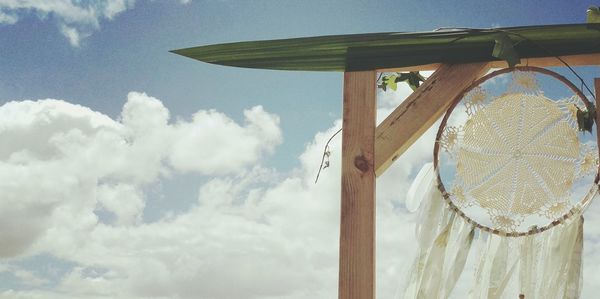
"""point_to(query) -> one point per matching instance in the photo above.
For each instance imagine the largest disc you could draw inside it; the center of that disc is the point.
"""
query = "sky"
(127, 171)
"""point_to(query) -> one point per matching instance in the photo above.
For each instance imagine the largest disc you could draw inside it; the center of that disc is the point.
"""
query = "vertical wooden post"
(357, 228)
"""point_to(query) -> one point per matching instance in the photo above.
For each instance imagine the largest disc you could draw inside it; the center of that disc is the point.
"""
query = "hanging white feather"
(488, 245)
(431, 219)
(423, 181)
(574, 275)
(457, 252)
(549, 264)
(444, 241)
(561, 262)
(498, 270)
(527, 271)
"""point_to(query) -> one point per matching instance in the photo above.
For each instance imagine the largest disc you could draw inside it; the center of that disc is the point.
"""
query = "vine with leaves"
(391, 80)
(384, 82)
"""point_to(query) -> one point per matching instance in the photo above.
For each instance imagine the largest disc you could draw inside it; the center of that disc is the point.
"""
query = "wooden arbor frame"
(458, 58)
(368, 150)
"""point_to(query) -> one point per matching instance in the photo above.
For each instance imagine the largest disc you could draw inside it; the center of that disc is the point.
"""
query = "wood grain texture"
(421, 109)
(572, 60)
(357, 228)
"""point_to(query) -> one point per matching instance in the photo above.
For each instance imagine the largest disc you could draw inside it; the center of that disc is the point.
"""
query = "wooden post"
(357, 228)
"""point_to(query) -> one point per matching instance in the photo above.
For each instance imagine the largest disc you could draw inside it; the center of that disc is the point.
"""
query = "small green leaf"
(504, 49)
(391, 82)
(593, 15)
(585, 119)
(413, 79)
(403, 77)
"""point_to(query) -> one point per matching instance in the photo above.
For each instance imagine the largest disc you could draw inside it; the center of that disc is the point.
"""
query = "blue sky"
(130, 53)
(151, 175)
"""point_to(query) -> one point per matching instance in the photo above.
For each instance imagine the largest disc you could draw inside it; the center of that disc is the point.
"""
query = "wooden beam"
(421, 109)
(357, 228)
(572, 60)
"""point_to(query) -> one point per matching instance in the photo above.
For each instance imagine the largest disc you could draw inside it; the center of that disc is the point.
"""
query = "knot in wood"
(361, 163)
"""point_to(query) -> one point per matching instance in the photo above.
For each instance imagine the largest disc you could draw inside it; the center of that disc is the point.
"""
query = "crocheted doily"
(513, 159)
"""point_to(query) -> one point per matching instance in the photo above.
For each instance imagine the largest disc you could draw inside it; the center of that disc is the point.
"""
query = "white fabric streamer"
(544, 265)
(444, 240)
(548, 263)
(485, 272)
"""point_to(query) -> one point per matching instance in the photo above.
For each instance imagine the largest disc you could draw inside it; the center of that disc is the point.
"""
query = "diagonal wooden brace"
(421, 109)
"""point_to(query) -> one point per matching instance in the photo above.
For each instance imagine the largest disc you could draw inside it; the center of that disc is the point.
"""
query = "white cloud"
(252, 233)
(72, 34)
(259, 135)
(76, 19)
(64, 161)
(7, 18)
(251, 221)
(125, 201)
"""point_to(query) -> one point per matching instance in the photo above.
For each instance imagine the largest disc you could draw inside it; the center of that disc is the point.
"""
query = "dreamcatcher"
(515, 165)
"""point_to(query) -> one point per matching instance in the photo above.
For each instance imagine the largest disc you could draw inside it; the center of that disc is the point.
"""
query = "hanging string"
(523, 38)
(555, 56)
(327, 152)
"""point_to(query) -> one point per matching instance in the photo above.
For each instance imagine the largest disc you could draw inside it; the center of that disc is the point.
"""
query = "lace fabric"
(513, 156)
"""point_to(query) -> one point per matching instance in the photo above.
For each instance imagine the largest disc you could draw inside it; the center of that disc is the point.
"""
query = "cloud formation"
(253, 232)
(75, 19)
(73, 184)
(65, 161)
